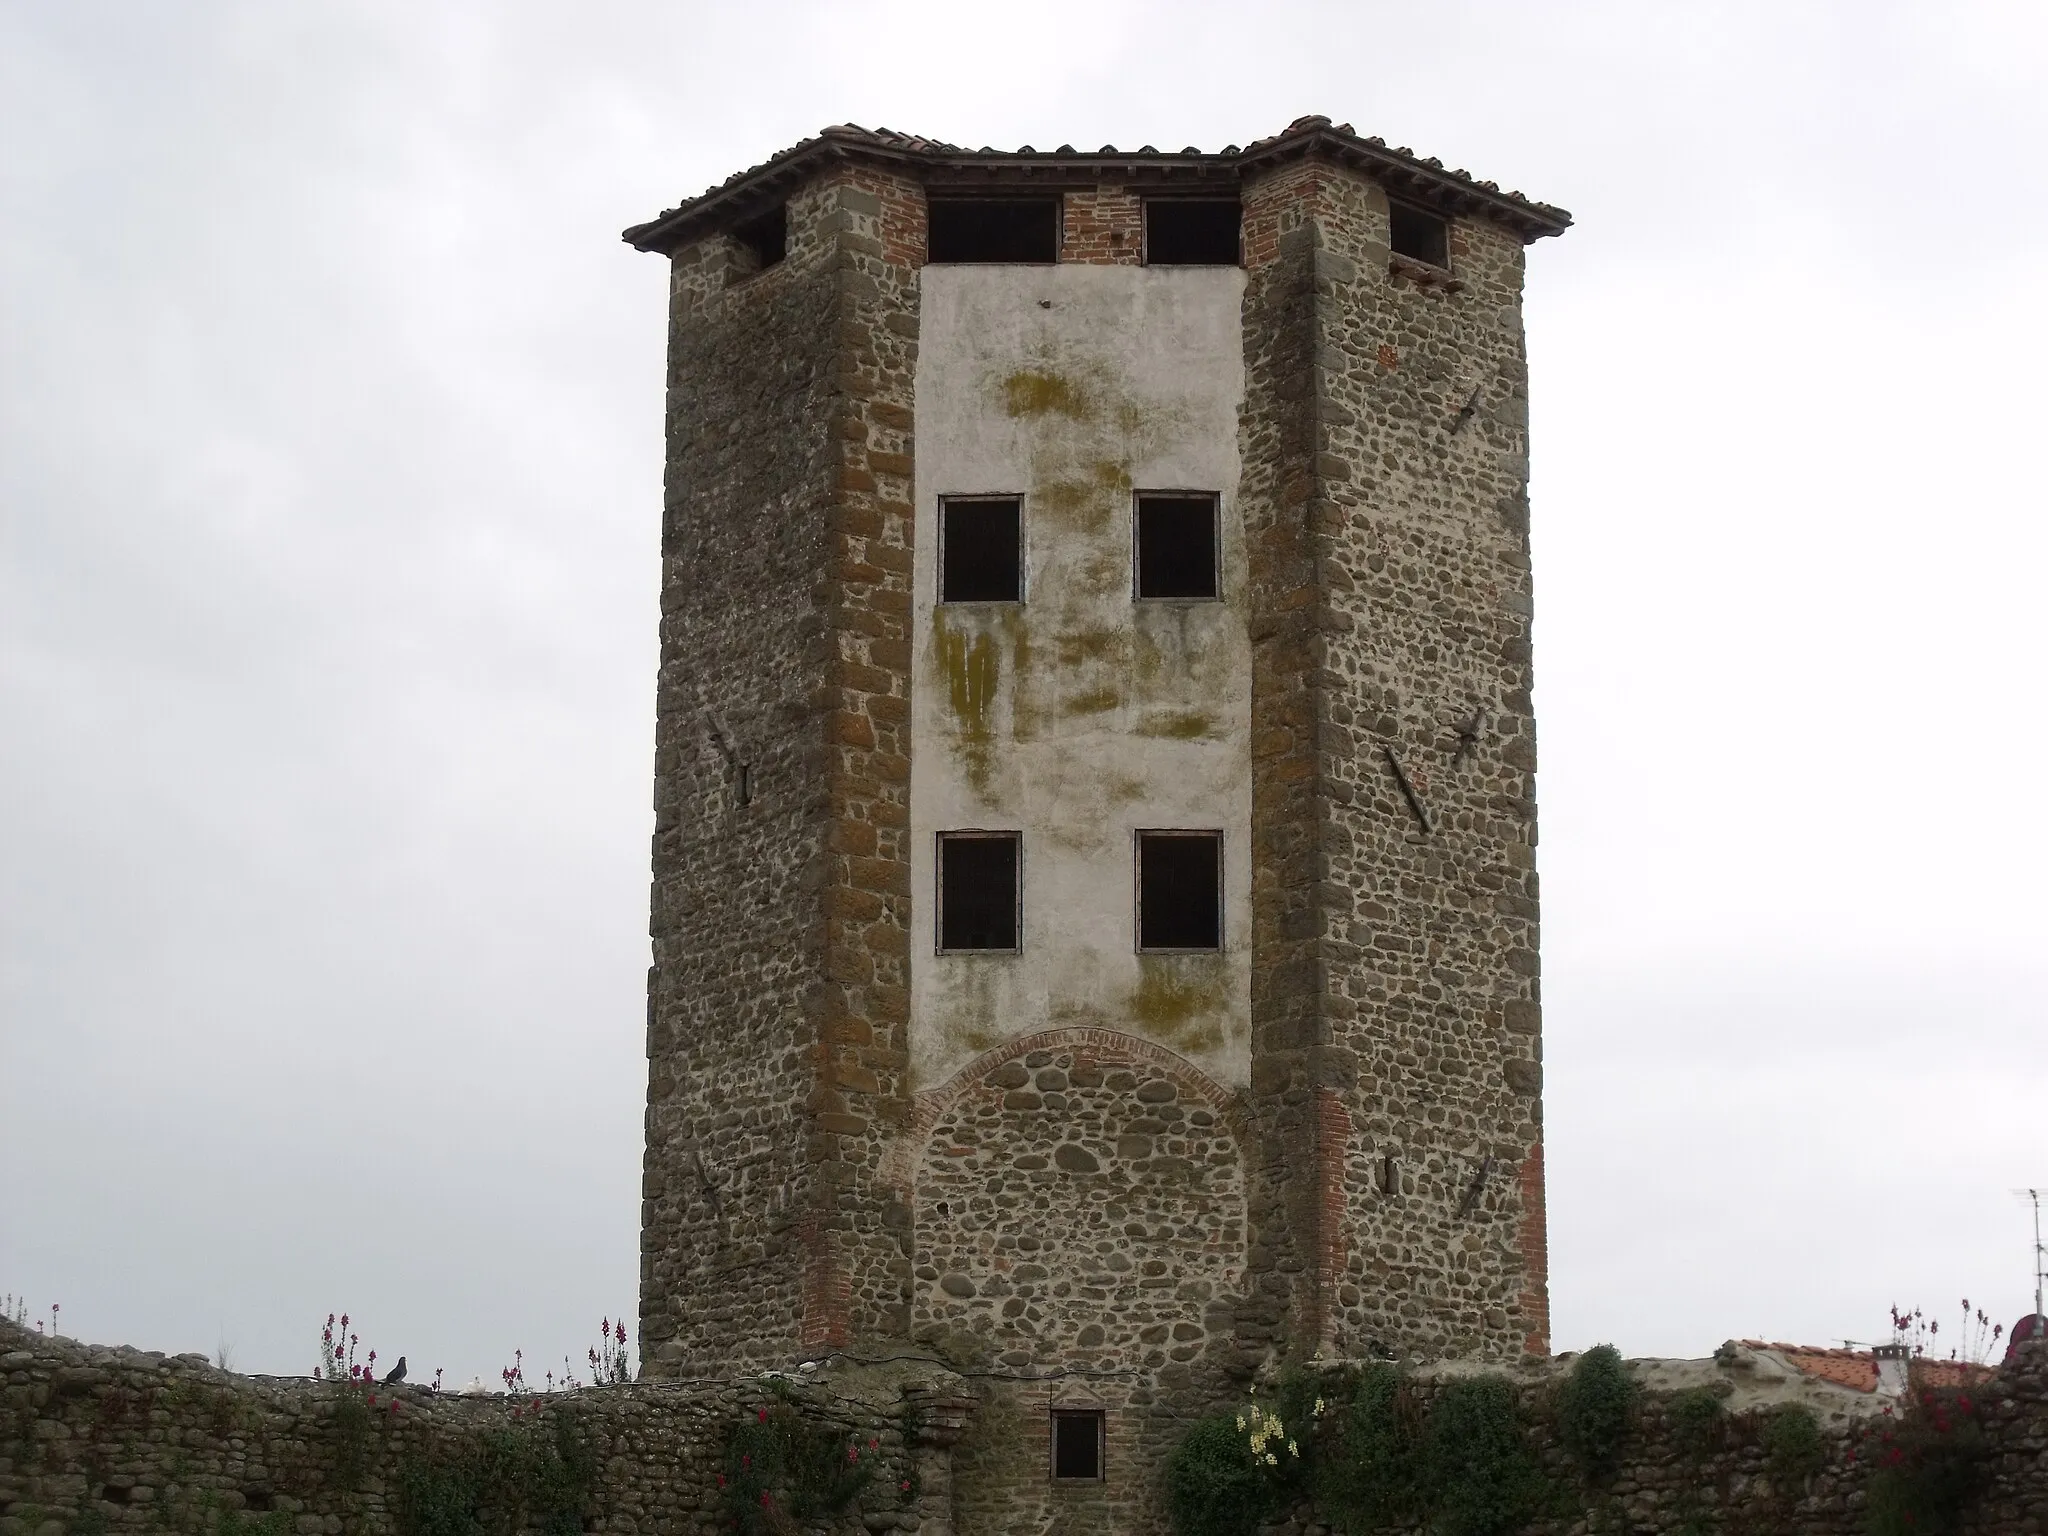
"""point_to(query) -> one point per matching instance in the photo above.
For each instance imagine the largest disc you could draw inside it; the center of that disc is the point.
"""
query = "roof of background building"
(1857, 1368)
(1003, 170)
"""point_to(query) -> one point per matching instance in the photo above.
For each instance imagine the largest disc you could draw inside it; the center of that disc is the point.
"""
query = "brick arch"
(899, 1169)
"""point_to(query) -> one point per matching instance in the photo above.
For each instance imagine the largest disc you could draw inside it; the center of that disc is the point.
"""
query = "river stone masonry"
(1111, 1179)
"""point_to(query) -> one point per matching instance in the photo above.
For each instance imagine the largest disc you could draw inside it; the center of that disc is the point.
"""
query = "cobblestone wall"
(1675, 1479)
(1396, 1029)
(778, 997)
(96, 1440)
(105, 1440)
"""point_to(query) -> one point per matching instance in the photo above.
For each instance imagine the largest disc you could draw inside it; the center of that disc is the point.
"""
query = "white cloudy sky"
(329, 473)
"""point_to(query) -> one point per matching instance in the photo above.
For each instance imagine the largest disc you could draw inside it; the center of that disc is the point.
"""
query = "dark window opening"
(1419, 234)
(981, 549)
(977, 891)
(1176, 546)
(743, 784)
(764, 240)
(1192, 232)
(1180, 890)
(1020, 229)
(1077, 1445)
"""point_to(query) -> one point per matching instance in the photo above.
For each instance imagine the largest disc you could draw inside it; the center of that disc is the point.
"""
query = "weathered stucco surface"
(1080, 715)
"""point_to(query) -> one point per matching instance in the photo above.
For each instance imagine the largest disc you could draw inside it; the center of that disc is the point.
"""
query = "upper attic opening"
(1192, 232)
(763, 240)
(1418, 234)
(1018, 230)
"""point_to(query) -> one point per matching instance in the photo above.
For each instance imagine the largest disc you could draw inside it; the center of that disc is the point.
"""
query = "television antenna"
(2040, 1252)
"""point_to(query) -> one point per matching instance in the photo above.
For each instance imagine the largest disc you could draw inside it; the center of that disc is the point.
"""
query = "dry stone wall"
(96, 1440)
(99, 1440)
(1681, 1476)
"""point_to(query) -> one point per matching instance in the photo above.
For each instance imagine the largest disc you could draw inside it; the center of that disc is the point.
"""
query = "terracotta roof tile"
(1416, 176)
(1857, 1368)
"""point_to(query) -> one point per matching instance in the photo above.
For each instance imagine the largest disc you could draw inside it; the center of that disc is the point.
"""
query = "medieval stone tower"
(1094, 903)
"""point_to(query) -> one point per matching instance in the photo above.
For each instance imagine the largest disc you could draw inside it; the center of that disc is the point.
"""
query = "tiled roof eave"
(949, 166)
(1449, 191)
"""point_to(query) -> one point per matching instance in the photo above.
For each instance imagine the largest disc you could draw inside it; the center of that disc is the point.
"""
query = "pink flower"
(763, 1416)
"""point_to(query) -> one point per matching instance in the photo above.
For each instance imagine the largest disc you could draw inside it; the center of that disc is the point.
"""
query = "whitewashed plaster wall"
(1080, 716)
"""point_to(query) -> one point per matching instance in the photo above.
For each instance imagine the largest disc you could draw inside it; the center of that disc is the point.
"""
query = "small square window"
(1192, 232)
(977, 891)
(993, 229)
(1180, 890)
(1176, 545)
(1419, 234)
(764, 239)
(981, 549)
(1077, 1445)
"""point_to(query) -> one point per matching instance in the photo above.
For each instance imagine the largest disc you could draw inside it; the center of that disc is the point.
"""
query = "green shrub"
(352, 1420)
(1594, 1409)
(1696, 1418)
(1214, 1487)
(1479, 1477)
(1367, 1470)
(1793, 1450)
(1929, 1467)
(503, 1482)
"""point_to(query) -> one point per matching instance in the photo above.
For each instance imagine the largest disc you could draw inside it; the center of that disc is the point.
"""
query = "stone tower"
(1094, 899)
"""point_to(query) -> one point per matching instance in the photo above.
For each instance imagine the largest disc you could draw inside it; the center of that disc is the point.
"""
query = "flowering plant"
(1265, 1435)
(1920, 1335)
(610, 1365)
(338, 1354)
(1927, 1465)
(782, 1473)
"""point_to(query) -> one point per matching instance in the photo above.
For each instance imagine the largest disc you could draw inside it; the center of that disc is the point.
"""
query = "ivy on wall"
(782, 1472)
(497, 1483)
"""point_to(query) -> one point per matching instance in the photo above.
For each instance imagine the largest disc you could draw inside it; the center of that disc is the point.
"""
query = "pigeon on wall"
(397, 1372)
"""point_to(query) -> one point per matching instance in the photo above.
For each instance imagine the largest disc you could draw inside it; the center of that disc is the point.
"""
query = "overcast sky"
(330, 415)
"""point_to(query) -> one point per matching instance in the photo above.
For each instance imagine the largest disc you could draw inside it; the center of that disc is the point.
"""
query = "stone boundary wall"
(1720, 1485)
(97, 1439)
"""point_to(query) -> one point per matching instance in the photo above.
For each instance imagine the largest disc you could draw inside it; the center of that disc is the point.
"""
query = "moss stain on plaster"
(973, 671)
(1032, 392)
(1180, 999)
(1095, 701)
(1188, 725)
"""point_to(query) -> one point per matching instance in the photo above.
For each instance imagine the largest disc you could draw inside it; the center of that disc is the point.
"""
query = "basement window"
(978, 892)
(995, 229)
(981, 549)
(1180, 890)
(1077, 1445)
(1192, 232)
(764, 240)
(1419, 234)
(1175, 547)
